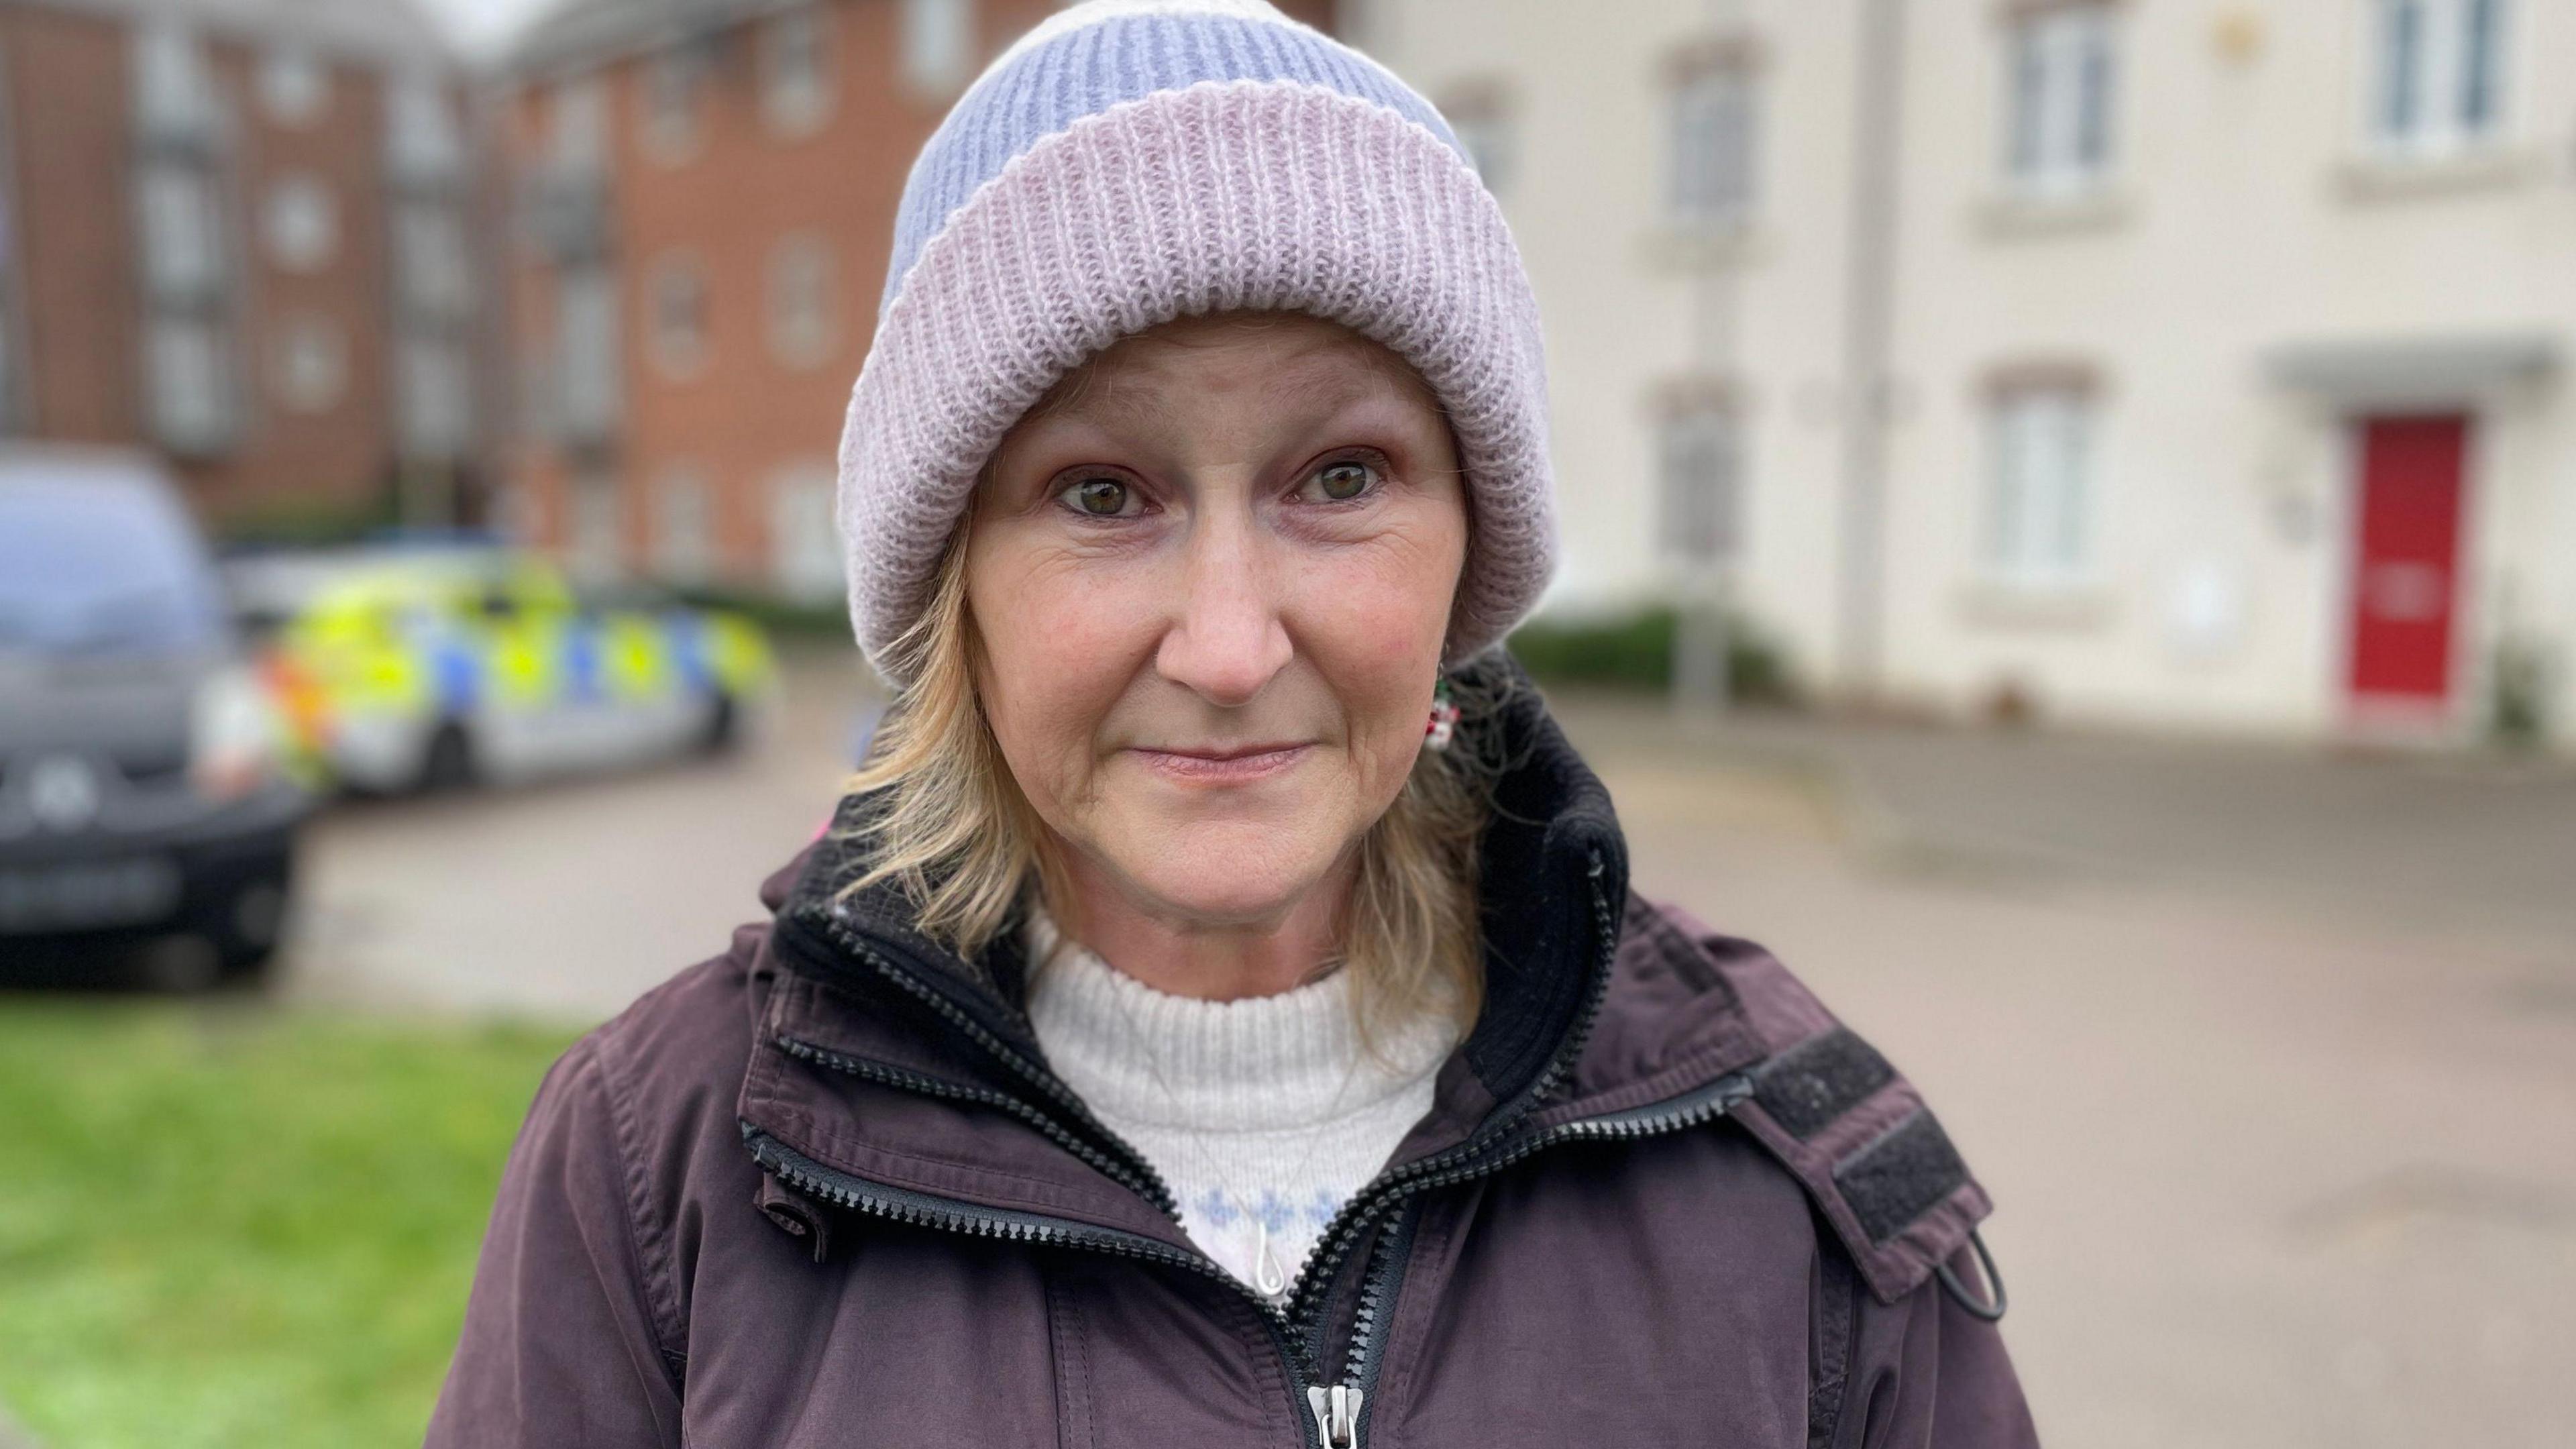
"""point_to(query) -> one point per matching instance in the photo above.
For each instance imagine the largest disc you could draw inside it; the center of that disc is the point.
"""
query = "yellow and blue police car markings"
(581, 675)
(687, 633)
(456, 669)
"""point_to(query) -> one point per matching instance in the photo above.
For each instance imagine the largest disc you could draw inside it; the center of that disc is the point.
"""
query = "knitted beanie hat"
(1132, 161)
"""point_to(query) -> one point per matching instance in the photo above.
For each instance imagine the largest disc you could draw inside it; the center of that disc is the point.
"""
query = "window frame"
(801, 342)
(2061, 89)
(937, 45)
(1715, 77)
(1700, 520)
(792, 107)
(680, 556)
(2441, 73)
(677, 357)
(670, 105)
(2039, 532)
(293, 200)
(303, 336)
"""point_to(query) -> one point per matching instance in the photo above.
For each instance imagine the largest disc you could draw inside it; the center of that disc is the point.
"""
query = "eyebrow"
(1306, 385)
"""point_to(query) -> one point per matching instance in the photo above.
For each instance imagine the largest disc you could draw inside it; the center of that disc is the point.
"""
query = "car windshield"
(101, 568)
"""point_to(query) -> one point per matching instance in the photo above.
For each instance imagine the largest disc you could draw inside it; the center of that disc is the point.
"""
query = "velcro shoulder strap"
(1848, 1126)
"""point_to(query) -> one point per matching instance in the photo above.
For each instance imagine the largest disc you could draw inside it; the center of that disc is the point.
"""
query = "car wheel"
(254, 925)
(723, 729)
(448, 763)
(179, 965)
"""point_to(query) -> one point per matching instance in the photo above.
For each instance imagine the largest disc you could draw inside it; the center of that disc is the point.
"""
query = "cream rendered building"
(2183, 364)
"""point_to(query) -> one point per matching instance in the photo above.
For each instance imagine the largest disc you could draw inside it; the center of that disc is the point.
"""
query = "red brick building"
(706, 197)
(238, 232)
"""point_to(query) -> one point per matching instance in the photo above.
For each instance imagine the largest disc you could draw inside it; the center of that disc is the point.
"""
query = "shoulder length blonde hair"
(953, 829)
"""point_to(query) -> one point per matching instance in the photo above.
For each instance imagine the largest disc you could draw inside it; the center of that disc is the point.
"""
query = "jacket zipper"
(927, 1086)
(1139, 1173)
(1339, 1408)
(919, 1209)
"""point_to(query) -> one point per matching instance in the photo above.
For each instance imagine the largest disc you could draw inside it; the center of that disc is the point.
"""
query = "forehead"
(1288, 359)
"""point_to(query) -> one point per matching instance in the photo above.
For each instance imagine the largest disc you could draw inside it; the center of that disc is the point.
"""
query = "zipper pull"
(1337, 1416)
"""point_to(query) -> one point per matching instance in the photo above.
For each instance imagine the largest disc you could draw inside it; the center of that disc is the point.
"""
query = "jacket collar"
(859, 984)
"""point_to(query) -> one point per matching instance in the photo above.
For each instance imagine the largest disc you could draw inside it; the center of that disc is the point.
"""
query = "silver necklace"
(1269, 1275)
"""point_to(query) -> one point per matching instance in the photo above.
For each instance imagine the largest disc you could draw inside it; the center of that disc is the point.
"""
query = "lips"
(1221, 764)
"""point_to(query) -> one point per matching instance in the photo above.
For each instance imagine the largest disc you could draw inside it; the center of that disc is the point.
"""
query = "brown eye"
(1101, 497)
(1343, 481)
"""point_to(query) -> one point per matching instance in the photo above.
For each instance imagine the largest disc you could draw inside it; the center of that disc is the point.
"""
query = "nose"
(1226, 640)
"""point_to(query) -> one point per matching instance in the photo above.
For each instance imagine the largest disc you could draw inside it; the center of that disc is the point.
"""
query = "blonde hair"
(954, 830)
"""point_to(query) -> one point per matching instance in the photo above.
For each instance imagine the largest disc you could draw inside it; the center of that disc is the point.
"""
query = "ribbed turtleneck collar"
(1271, 1063)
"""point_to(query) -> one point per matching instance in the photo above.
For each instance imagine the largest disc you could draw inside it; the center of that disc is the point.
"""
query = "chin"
(1226, 870)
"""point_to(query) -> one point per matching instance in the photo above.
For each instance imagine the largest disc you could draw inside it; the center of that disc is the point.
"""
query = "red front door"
(2406, 568)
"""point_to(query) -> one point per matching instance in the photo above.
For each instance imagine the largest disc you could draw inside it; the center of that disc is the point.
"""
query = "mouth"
(1221, 764)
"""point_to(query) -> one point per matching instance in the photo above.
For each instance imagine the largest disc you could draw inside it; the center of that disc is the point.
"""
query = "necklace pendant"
(1267, 1275)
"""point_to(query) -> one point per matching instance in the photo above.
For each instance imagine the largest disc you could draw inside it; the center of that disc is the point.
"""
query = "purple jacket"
(823, 1190)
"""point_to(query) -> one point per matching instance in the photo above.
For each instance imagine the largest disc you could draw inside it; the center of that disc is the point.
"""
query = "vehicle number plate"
(86, 897)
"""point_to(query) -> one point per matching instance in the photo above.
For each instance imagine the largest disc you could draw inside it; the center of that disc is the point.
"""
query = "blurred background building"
(706, 196)
(238, 232)
(2152, 365)
(2178, 365)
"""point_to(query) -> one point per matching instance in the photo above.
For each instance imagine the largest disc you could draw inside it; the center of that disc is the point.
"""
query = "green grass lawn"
(234, 1225)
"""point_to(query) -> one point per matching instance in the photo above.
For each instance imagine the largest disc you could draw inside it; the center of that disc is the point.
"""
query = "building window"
(430, 260)
(174, 96)
(684, 526)
(2438, 80)
(938, 44)
(2057, 130)
(802, 307)
(795, 69)
(190, 386)
(1714, 114)
(183, 255)
(671, 90)
(2039, 513)
(310, 371)
(577, 140)
(586, 391)
(435, 392)
(294, 85)
(804, 540)
(597, 546)
(676, 322)
(421, 137)
(1481, 118)
(1700, 468)
(300, 223)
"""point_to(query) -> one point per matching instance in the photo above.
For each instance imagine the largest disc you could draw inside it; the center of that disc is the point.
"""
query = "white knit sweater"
(1261, 1111)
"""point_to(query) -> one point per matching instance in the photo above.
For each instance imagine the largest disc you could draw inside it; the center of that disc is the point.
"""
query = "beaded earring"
(1444, 717)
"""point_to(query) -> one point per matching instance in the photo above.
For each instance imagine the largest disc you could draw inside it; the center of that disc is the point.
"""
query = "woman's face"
(1212, 577)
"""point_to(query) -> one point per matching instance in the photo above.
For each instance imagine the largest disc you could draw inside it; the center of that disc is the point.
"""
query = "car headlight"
(233, 736)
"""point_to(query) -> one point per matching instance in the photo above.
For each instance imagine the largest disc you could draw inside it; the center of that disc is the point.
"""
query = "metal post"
(1869, 323)
(1700, 685)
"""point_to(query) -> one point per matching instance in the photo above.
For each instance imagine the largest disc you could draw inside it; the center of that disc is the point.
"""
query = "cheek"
(1061, 643)
(1373, 620)
(1381, 608)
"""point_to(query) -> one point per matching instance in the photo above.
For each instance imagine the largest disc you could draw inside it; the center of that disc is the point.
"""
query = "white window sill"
(2400, 176)
(1705, 245)
(2015, 215)
(2069, 607)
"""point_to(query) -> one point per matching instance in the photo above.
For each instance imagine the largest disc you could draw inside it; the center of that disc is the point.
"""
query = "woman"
(1218, 1015)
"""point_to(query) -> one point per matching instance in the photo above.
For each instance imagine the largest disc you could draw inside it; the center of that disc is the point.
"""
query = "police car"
(427, 668)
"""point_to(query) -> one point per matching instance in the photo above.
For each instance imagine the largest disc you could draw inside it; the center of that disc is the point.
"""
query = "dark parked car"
(142, 793)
